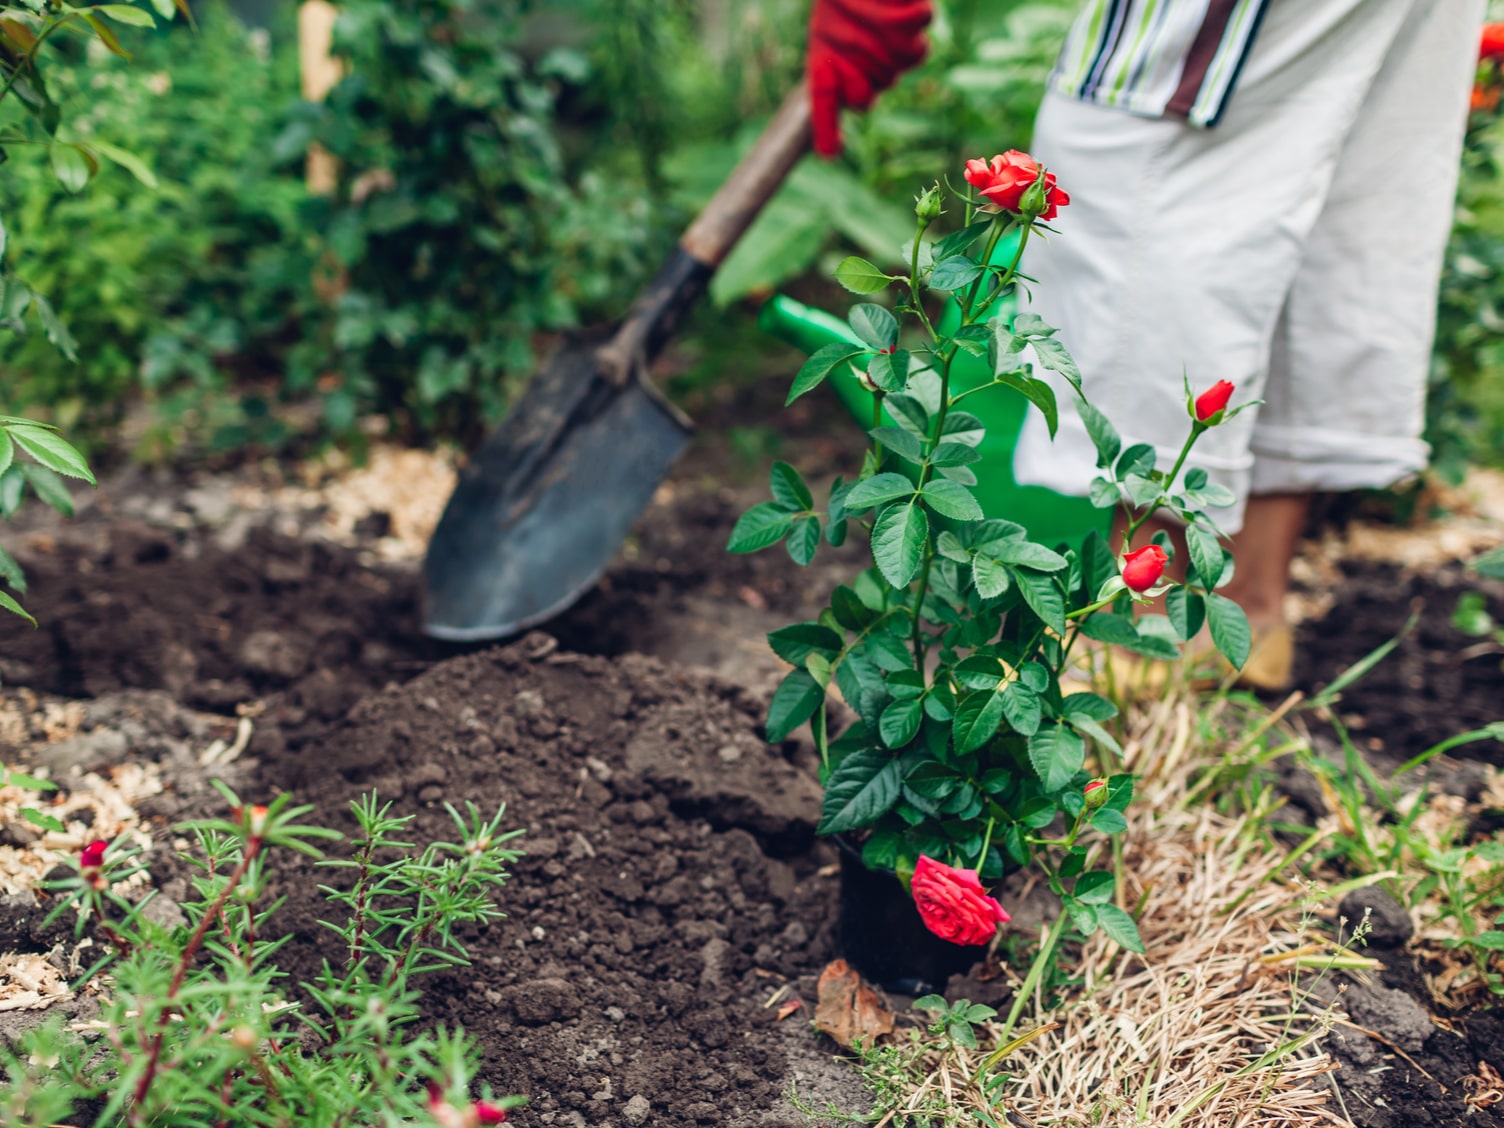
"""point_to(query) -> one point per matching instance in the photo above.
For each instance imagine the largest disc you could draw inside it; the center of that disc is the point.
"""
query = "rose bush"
(968, 756)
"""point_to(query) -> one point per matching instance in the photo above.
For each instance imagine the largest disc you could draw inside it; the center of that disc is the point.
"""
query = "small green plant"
(954, 1021)
(195, 1026)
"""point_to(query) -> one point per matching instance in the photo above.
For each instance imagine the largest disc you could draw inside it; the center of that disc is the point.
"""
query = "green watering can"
(1050, 517)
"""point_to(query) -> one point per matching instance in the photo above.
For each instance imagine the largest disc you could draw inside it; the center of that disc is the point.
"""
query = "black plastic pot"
(882, 936)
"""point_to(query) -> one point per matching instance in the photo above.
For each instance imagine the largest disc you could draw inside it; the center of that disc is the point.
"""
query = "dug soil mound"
(670, 885)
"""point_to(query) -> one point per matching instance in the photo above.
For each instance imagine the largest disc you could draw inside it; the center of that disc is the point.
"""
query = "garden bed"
(672, 884)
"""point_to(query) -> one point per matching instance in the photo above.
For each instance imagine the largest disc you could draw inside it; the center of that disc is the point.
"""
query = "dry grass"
(1204, 1032)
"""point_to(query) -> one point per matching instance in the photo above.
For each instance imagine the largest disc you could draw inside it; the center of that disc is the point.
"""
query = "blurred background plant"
(508, 169)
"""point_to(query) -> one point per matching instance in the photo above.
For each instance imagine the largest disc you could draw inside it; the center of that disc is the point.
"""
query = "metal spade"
(543, 504)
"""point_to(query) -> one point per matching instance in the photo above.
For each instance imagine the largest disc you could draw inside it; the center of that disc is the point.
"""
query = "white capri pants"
(1294, 249)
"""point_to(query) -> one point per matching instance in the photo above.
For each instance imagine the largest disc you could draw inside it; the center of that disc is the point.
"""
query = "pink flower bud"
(92, 855)
(1142, 569)
(487, 1113)
(1095, 793)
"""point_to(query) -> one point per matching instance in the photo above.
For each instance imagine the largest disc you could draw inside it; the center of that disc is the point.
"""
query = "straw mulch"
(1207, 1030)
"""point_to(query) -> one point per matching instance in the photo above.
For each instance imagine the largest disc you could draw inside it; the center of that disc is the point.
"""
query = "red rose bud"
(1142, 569)
(1003, 181)
(1213, 401)
(1491, 42)
(1095, 793)
(487, 1113)
(953, 904)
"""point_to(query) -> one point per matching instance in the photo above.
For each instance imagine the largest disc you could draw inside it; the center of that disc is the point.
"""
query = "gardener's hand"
(858, 48)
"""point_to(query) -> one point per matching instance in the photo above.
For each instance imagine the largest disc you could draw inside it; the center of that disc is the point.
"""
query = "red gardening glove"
(858, 48)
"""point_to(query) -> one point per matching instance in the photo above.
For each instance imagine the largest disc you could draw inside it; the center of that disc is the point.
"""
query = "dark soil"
(670, 882)
(1437, 683)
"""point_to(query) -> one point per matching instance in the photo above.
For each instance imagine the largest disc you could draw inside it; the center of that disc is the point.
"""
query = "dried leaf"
(848, 1009)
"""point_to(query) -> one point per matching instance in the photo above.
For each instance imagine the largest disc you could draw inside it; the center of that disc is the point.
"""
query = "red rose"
(1213, 400)
(953, 904)
(92, 855)
(1491, 42)
(1004, 180)
(1142, 569)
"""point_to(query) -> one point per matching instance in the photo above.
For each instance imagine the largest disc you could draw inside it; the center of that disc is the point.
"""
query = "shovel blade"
(542, 506)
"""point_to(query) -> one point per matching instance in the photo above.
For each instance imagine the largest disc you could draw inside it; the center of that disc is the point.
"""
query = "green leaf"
(1108, 821)
(954, 454)
(124, 13)
(9, 604)
(900, 442)
(862, 789)
(1095, 888)
(890, 371)
(764, 524)
(1021, 707)
(1016, 550)
(910, 414)
(1057, 754)
(1039, 393)
(1138, 460)
(821, 364)
(804, 540)
(1120, 927)
(898, 543)
(849, 610)
(1052, 355)
(52, 451)
(7, 451)
(952, 273)
(978, 716)
(1229, 629)
(789, 489)
(963, 427)
(1187, 611)
(1031, 325)
(992, 579)
(1090, 706)
(860, 276)
(900, 722)
(29, 782)
(1490, 564)
(797, 641)
(1043, 597)
(877, 490)
(874, 325)
(38, 819)
(10, 572)
(1206, 554)
(951, 500)
(888, 652)
(49, 487)
(794, 702)
(959, 241)
(70, 166)
(1104, 435)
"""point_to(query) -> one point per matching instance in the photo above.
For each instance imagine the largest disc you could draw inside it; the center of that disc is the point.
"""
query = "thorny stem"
(1197, 428)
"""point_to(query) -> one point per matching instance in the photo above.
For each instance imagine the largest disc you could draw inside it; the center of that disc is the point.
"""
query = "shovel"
(543, 504)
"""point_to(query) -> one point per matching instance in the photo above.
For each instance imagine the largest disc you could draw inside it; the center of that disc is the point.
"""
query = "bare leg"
(1262, 552)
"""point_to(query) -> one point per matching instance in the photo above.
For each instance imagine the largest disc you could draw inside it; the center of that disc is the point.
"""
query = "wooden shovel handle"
(752, 183)
(663, 302)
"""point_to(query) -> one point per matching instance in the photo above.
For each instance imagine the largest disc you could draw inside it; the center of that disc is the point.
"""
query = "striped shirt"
(1158, 58)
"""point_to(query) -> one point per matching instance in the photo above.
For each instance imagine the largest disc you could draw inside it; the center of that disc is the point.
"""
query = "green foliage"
(159, 284)
(32, 458)
(459, 231)
(196, 1027)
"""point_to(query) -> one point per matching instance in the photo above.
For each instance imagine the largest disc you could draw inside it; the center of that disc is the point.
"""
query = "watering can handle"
(709, 239)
